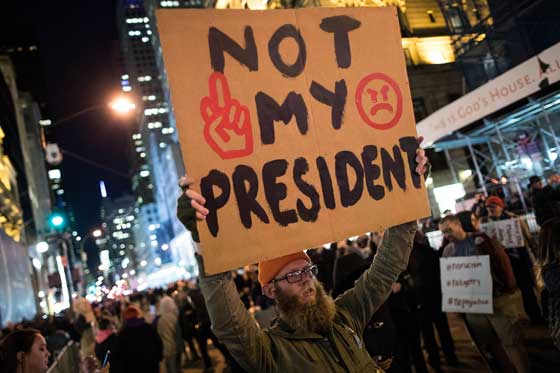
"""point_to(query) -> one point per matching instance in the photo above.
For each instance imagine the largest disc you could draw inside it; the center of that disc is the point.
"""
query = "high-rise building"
(157, 157)
(12, 169)
(35, 168)
(119, 219)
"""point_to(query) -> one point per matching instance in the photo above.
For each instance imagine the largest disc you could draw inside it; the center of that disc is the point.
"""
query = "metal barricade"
(68, 361)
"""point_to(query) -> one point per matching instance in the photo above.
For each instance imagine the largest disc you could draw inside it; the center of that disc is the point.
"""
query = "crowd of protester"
(162, 330)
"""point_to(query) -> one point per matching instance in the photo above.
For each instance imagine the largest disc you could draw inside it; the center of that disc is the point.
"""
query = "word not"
(217, 187)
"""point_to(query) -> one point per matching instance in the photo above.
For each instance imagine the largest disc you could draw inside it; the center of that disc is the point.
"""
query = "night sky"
(79, 53)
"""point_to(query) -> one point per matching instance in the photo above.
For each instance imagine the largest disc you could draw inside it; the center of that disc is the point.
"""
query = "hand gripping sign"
(297, 126)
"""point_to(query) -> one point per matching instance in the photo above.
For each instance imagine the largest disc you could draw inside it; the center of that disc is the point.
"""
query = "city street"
(379, 178)
(544, 357)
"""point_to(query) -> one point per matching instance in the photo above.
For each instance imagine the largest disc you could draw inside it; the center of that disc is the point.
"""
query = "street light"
(42, 247)
(121, 105)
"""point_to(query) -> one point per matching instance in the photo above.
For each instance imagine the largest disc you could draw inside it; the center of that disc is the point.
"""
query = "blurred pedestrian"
(520, 258)
(549, 260)
(84, 325)
(139, 347)
(498, 333)
(424, 268)
(169, 330)
(24, 351)
(546, 199)
(479, 206)
(105, 340)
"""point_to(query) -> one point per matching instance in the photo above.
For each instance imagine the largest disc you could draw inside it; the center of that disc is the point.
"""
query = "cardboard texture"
(281, 176)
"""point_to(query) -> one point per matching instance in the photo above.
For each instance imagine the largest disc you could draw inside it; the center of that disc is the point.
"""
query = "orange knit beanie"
(270, 268)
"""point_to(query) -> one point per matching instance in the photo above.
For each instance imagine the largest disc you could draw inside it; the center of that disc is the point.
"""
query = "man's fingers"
(195, 196)
(199, 208)
(199, 216)
(419, 140)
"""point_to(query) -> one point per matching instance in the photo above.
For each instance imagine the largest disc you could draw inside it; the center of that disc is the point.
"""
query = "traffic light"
(57, 220)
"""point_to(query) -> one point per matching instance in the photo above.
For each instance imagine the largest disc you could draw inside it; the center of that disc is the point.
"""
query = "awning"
(523, 80)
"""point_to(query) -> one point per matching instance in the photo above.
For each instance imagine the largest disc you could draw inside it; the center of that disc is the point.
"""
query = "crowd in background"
(161, 330)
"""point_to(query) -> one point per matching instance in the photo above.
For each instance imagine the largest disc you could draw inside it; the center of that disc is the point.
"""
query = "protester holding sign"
(498, 333)
(520, 258)
(313, 333)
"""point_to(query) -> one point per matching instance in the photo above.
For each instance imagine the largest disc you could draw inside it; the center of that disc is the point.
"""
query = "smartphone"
(106, 358)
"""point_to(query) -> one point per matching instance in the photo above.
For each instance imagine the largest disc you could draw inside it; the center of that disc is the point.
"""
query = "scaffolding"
(507, 150)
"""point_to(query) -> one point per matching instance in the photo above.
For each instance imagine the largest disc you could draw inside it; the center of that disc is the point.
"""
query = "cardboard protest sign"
(466, 284)
(507, 232)
(297, 126)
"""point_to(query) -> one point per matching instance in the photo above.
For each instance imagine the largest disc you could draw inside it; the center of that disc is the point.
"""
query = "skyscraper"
(157, 157)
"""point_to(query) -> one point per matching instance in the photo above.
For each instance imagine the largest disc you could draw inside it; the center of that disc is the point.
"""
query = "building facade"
(119, 218)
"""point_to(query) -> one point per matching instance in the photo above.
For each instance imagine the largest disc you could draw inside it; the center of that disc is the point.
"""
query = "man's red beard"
(315, 316)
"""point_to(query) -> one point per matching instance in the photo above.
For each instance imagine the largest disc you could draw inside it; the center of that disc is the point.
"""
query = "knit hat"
(495, 200)
(270, 268)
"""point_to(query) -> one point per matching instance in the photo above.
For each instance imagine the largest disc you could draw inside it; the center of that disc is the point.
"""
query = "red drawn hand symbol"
(227, 124)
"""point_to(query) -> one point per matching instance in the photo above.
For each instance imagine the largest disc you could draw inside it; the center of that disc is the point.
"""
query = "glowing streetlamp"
(122, 105)
(42, 247)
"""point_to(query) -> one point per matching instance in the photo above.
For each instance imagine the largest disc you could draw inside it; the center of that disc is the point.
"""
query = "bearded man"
(313, 333)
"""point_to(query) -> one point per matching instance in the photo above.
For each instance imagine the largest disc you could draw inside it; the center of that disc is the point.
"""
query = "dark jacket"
(551, 277)
(546, 202)
(139, 348)
(108, 344)
(283, 349)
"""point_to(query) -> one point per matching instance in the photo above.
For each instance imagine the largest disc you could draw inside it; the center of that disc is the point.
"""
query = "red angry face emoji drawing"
(379, 101)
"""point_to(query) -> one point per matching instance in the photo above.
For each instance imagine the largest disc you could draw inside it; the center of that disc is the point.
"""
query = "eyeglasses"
(296, 276)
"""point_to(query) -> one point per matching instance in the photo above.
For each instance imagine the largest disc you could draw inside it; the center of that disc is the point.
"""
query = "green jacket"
(284, 350)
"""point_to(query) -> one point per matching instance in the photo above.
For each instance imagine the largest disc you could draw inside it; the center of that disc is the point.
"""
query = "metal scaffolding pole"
(476, 166)
(499, 171)
(556, 144)
(451, 167)
(508, 158)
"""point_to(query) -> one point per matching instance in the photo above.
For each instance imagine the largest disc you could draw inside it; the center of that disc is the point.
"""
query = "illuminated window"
(54, 174)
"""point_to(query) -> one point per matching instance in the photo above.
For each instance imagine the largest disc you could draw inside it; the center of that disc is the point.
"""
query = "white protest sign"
(435, 238)
(466, 284)
(507, 232)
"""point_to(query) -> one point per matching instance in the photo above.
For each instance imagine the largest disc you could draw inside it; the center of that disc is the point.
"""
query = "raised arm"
(374, 286)
(231, 322)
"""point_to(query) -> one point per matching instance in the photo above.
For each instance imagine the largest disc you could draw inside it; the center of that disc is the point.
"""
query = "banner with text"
(297, 126)
(519, 82)
(466, 284)
(507, 232)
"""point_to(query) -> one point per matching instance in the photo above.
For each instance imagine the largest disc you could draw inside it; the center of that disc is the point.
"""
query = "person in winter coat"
(314, 333)
(545, 198)
(139, 347)
(520, 258)
(499, 333)
(105, 340)
(167, 325)
(549, 258)
(84, 325)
